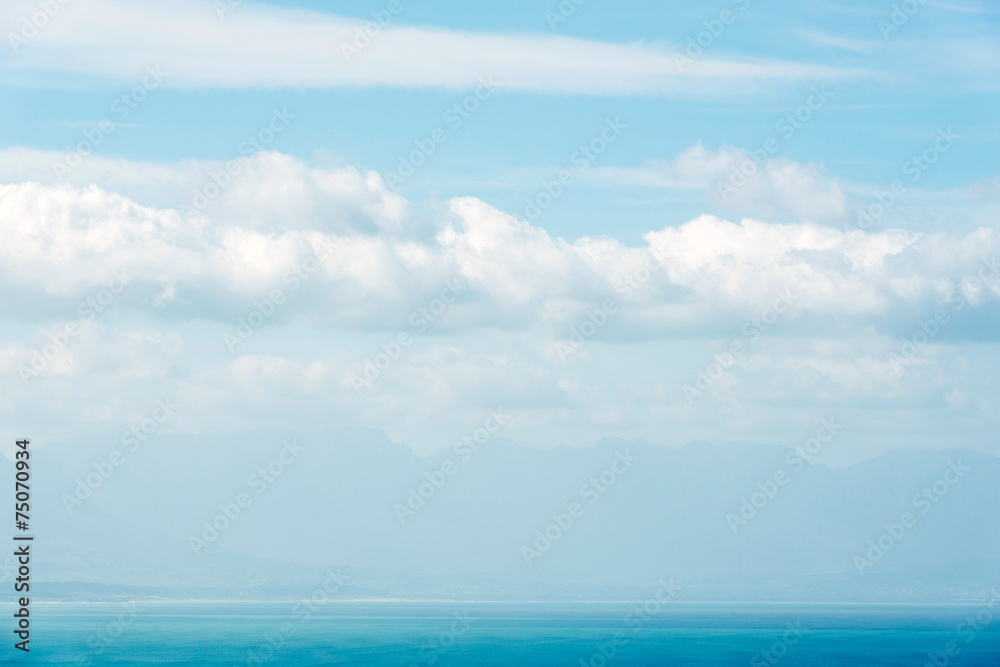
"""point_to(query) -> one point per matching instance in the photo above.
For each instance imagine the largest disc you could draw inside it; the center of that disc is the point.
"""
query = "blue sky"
(463, 212)
(891, 96)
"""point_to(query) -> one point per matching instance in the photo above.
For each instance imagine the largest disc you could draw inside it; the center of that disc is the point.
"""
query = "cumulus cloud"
(60, 240)
(192, 277)
(779, 189)
(268, 191)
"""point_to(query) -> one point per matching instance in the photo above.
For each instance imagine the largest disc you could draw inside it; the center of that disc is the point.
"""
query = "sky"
(666, 222)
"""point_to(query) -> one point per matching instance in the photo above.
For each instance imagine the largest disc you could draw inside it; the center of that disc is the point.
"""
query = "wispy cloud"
(845, 43)
(259, 46)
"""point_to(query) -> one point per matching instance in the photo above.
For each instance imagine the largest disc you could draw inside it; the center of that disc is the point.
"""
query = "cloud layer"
(62, 239)
(324, 268)
(254, 45)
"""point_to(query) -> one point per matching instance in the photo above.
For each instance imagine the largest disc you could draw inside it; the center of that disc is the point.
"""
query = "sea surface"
(420, 633)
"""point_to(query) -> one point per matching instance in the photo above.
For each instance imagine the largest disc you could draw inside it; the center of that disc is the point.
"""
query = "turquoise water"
(279, 633)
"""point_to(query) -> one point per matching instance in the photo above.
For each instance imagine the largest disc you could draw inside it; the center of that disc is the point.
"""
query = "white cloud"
(256, 45)
(771, 394)
(857, 294)
(60, 241)
(271, 191)
(781, 188)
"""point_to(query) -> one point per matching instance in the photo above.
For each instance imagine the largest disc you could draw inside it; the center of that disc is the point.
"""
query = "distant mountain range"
(742, 522)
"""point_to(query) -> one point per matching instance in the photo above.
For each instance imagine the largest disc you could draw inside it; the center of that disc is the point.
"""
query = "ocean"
(421, 633)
